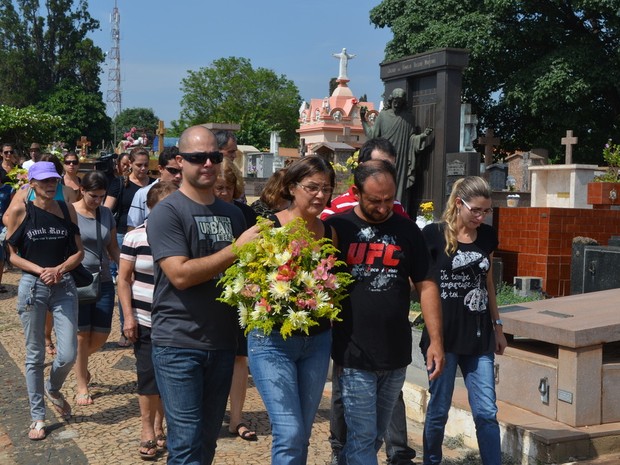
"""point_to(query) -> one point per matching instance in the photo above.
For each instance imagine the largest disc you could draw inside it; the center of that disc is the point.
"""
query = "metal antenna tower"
(114, 71)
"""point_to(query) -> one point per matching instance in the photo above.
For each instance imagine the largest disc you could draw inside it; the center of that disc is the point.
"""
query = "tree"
(140, 118)
(536, 69)
(49, 62)
(22, 126)
(230, 90)
(83, 114)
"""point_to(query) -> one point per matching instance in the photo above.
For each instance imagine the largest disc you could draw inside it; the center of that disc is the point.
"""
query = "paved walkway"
(108, 432)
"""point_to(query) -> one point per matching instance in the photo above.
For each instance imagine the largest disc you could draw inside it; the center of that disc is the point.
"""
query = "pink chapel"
(331, 127)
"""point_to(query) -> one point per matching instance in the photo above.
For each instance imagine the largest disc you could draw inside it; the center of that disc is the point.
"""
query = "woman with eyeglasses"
(94, 320)
(8, 161)
(290, 374)
(119, 198)
(461, 248)
(45, 244)
(70, 177)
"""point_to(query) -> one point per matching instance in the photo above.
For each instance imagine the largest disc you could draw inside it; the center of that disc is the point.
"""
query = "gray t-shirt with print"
(192, 318)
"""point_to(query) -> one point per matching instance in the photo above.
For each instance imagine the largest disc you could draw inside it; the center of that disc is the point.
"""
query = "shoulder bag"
(80, 274)
(90, 293)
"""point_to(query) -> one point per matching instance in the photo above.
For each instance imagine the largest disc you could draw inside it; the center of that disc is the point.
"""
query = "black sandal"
(145, 448)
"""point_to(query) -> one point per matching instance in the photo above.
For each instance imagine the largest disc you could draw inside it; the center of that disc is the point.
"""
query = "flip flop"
(161, 441)
(37, 431)
(247, 435)
(84, 399)
(50, 348)
(60, 404)
(145, 450)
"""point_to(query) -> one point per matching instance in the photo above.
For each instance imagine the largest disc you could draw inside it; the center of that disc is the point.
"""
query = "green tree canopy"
(48, 61)
(536, 69)
(83, 114)
(140, 118)
(22, 126)
(230, 90)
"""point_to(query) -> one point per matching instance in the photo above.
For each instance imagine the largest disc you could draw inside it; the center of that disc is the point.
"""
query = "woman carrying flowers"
(289, 365)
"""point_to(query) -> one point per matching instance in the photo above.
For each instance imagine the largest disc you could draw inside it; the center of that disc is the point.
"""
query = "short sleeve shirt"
(375, 333)
(192, 318)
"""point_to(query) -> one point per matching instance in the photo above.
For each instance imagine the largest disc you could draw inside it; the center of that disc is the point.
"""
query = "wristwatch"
(498, 322)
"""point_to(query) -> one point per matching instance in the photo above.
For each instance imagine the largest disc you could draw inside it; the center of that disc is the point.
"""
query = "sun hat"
(42, 170)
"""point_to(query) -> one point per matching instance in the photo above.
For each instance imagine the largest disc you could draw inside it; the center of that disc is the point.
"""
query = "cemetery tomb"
(563, 361)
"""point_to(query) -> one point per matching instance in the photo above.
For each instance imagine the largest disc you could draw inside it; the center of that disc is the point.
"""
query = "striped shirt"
(136, 249)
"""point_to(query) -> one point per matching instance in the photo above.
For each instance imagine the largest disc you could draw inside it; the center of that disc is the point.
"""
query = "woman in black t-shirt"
(45, 244)
(461, 248)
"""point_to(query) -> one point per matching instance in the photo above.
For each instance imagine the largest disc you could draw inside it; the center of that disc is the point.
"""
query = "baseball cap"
(42, 170)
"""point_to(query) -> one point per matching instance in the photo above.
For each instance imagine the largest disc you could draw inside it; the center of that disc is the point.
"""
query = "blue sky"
(161, 40)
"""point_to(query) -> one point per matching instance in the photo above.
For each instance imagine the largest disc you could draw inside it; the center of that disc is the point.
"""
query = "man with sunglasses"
(194, 335)
(169, 170)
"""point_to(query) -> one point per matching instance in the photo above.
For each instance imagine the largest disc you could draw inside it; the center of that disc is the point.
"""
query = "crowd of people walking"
(165, 243)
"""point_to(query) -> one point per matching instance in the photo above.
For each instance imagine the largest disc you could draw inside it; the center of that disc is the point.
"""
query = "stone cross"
(83, 143)
(569, 141)
(161, 131)
(489, 141)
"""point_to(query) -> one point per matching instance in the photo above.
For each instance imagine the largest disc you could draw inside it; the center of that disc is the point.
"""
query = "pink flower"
(263, 305)
(285, 273)
(250, 290)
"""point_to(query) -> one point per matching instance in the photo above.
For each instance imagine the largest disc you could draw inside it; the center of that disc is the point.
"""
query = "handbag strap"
(99, 240)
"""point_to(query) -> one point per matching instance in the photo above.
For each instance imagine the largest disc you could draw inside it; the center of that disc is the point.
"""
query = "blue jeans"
(290, 377)
(34, 300)
(368, 398)
(480, 382)
(194, 386)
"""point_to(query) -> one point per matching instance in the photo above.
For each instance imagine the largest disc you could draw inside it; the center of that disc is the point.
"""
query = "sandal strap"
(38, 425)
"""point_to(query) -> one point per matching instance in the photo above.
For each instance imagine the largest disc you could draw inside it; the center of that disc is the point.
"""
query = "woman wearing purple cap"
(45, 244)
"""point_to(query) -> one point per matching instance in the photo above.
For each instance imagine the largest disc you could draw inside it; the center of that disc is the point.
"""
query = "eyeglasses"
(8, 152)
(477, 212)
(313, 189)
(172, 171)
(200, 158)
(72, 162)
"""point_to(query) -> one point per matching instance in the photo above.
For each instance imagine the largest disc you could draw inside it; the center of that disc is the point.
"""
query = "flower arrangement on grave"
(425, 214)
(611, 155)
(252, 170)
(285, 279)
(18, 177)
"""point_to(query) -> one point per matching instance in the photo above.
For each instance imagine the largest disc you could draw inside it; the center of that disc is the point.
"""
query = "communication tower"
(114, 70)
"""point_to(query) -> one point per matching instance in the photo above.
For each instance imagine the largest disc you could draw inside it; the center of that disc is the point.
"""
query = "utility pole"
(114, 71)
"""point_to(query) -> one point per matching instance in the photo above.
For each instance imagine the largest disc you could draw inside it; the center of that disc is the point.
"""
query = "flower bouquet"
(18, 177)
(425, 215)
(285, 279)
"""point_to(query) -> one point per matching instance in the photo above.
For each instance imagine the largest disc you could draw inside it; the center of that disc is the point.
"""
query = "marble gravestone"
(432, 82)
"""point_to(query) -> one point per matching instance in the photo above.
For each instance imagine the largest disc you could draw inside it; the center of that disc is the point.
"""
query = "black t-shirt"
(375, 333)
(462, 281)
(123, 195)
(43, 238)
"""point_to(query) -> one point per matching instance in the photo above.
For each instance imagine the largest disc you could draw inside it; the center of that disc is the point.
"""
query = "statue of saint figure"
(395, 123)
(344, 61)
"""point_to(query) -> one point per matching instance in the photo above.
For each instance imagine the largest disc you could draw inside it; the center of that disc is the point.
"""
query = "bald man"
(194, 336)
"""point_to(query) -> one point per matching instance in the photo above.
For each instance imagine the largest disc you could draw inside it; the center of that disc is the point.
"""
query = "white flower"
(282, 257)
(243, 314)
(280, 289)
(298, 319)
(307, 279)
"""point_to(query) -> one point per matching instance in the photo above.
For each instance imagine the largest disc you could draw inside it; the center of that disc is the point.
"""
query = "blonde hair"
(232, 175)
(465, 189)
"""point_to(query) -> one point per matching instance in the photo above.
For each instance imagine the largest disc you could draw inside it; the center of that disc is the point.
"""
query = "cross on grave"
(346, 136)
(569, 141)
(488, 141)
(83, 143)
(161, 131)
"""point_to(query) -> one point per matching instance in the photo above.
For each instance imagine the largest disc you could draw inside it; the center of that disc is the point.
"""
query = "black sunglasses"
(9, 152)
(172, 171)
(71, 162)
(200, 158)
